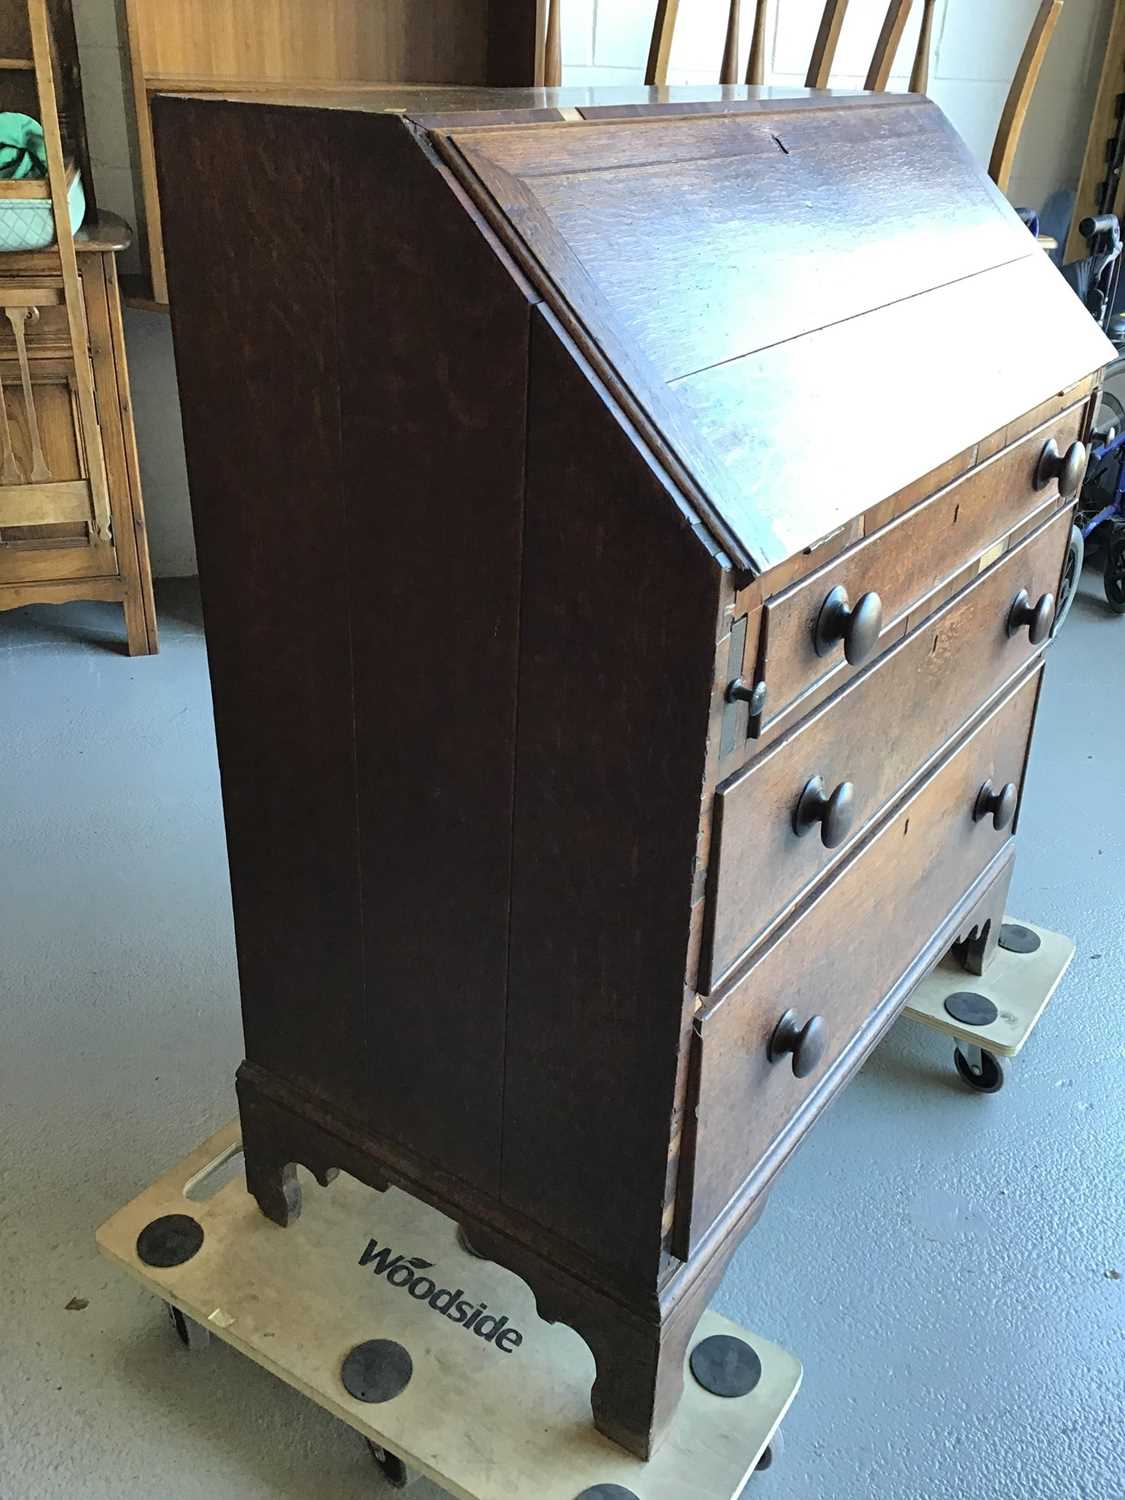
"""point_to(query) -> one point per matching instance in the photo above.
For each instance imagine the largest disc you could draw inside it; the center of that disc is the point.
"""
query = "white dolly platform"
(499, 1416)
(992, 1015)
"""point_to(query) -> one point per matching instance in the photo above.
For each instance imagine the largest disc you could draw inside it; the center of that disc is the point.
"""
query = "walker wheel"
(395, 1472)
(192, 1335)
(1071, 573)
(990, 1079)
(1115, 571)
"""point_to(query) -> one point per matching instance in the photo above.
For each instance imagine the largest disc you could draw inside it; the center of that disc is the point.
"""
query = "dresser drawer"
(840, 957)
(860, 750)
(901, 564)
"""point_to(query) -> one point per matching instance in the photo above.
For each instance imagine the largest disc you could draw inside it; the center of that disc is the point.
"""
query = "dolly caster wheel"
(772, 1454)
(985, 1077)
(191, 1334)
(394, 1471)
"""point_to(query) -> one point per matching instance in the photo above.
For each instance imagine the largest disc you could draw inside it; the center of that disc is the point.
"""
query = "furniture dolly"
(992, 1016)
(376, 1308)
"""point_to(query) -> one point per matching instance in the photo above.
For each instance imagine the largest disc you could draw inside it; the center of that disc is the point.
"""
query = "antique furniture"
(182, 46)
(71, 513)
(628, 536)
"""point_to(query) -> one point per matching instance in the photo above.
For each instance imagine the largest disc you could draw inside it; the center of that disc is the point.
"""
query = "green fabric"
(23, 151)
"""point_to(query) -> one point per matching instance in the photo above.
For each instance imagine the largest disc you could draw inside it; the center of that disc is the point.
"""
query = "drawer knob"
(999, 803)
(835, 813)
(808, 1042)
(1037, 618)
(1069, 468)
(859, 628)
(741, 691)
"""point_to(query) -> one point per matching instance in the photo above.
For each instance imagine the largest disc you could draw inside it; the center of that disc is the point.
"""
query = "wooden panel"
(904, 562)
(845, 951)
(48, 334)
(729, 179)
(771, 458)
(434, 647)
(325, 40)
(954, 663)
(313, 44)
(257, 356)
(24, 505)
(753, 341)
(614, 707)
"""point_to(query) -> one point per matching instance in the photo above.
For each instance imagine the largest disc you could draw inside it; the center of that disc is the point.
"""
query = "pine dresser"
(629, 530)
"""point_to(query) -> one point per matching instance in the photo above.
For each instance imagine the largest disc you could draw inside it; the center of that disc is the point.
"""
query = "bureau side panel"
(433, 334)
(250, 232)
(617, 650)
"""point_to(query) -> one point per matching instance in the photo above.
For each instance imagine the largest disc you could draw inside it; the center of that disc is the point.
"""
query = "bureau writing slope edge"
(629, 531)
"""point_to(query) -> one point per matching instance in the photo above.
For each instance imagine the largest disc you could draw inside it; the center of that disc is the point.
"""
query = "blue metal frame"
(1115, 510)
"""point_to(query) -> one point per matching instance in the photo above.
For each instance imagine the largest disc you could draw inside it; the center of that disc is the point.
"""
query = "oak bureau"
(629, 528)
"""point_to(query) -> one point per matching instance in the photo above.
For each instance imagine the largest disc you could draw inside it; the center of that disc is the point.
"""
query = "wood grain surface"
(904, 563)
(845, 951)
(952, 664)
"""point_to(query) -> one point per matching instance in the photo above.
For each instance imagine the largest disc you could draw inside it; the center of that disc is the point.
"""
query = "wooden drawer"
(902, 563)
(841, 956)
(863, 739)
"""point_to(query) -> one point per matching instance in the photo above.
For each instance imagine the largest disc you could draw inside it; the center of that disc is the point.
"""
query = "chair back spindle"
(1019, 95)
(827, 40)
(660, 49)
(920, 74)
(756, 65)
(552, 47)
(886, 48)
(728, 71)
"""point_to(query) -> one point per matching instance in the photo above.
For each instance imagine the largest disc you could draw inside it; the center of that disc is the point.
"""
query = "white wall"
(606, 41)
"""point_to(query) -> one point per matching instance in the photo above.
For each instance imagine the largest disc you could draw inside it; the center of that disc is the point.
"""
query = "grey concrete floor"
(944, 1264)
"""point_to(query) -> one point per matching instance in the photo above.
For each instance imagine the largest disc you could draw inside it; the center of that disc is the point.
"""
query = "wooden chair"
(664, 28)
(886, 48)
(1019, 95)
(824, 48)
(60, 538)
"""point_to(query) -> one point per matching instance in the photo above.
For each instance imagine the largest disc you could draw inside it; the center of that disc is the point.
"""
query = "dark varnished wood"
(607, 811)
(482, 554)
(269, 512)
(863, 737)
(721, 335)
(927, 855)
(450, 309)
(903, 563)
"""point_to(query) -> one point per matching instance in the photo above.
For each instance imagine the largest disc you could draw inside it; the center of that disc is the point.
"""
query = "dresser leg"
(639, 1354)
(640, 1375)
(976, 946)
(276, 1189)
(273, 1141)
